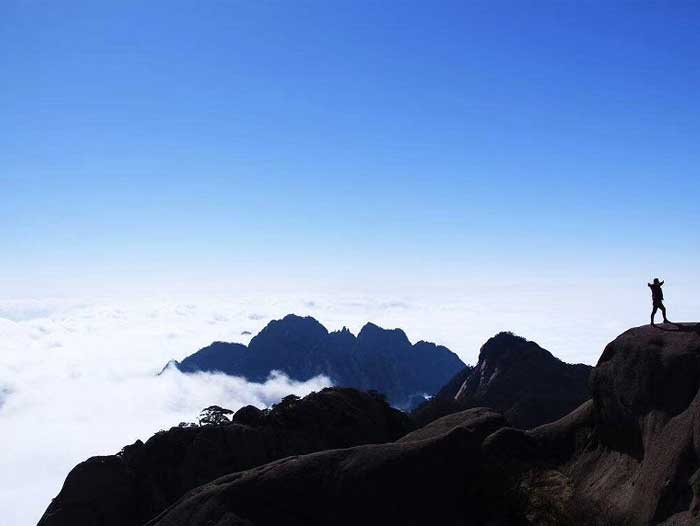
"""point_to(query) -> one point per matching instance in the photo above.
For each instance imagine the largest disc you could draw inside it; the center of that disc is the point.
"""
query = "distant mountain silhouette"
(376, 359)
(517, 377)
(133, 486)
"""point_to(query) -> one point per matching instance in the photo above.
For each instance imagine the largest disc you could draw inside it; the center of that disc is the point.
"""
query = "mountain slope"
(131, 487)
(378, 359)
(516, 377)
(431, 477)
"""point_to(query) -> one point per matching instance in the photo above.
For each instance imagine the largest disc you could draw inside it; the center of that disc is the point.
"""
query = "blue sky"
(341, 143)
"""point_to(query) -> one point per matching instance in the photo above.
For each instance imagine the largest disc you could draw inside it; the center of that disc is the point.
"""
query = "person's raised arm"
(661, 283)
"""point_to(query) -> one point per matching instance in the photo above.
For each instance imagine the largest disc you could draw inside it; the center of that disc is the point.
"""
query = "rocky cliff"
(516, 377)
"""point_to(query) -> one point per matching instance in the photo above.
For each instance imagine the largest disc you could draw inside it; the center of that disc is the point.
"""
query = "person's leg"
(663, 311)
(653, 313)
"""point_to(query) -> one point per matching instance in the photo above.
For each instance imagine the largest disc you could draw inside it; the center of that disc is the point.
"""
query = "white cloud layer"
(80, 380)
(78, 377)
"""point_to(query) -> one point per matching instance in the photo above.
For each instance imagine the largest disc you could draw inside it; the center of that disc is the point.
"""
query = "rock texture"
(642, 465)
(377, 359)
(431, 477)
(629, 457)
(516, 377)
(131, 487)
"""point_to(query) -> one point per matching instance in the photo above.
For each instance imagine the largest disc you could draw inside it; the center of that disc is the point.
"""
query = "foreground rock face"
(516, 377)
(630, 456)
(642, 465)
(430, 477)
(129, 488)
(379, 359)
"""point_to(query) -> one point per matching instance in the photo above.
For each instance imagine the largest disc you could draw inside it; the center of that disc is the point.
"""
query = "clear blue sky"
(337, 140)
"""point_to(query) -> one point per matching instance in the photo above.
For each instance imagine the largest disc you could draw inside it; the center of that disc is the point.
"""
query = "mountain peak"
(301, 329)
(506, 346)
(514, 376)
(294, 320)
(375, 336)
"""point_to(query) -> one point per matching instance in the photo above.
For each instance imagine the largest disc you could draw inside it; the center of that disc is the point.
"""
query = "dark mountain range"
(133, 486)
(628, 457)
(377, 359)
(516, 377)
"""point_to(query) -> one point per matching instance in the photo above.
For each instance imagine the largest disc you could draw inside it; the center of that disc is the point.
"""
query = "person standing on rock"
(657, 299)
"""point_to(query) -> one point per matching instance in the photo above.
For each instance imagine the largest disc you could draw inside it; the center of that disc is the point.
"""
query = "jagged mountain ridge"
(516, 377)
(376, 359)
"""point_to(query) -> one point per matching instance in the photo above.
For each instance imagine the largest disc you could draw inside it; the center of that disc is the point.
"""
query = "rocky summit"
(516, 377)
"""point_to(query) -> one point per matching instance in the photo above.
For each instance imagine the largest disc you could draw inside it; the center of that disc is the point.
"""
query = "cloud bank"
(78, 381)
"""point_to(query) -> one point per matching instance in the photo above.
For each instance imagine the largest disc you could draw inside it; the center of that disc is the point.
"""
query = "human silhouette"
(657, 299)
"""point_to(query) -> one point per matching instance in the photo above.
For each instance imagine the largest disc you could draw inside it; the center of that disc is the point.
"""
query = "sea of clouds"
(78, 377)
